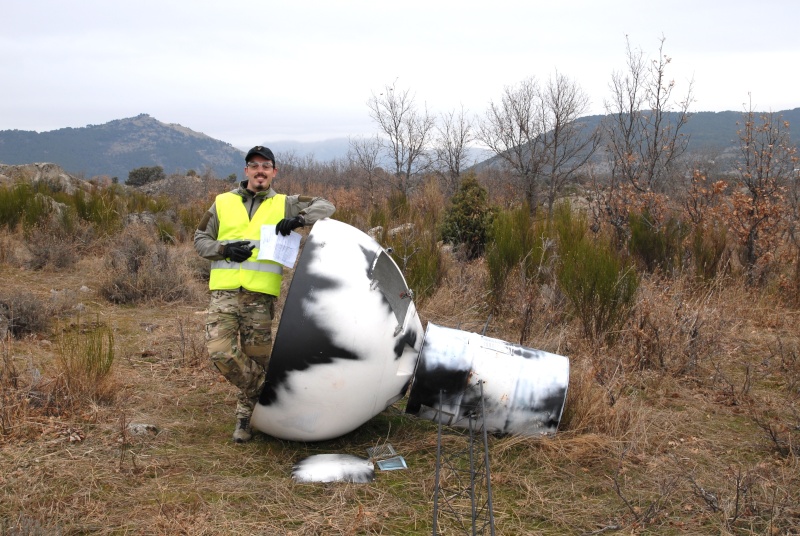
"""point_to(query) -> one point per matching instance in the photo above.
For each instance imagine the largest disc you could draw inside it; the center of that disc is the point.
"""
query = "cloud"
(245, 69)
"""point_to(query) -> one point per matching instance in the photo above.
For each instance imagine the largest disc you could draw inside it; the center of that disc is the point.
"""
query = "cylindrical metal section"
(524, 389)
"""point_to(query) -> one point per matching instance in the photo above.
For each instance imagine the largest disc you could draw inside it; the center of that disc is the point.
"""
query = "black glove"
(287, 225)
(237, 251)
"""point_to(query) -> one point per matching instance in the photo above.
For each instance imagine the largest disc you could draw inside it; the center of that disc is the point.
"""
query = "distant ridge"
(322, 151)
(116, 147)
(710, 131)
(712, 134)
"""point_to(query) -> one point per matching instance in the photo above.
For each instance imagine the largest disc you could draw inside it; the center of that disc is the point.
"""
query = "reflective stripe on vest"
(235, 225)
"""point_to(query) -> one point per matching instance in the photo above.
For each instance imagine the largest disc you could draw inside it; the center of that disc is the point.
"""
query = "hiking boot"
(242, 432)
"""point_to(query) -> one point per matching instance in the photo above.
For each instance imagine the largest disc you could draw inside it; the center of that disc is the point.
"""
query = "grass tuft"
(85, 355)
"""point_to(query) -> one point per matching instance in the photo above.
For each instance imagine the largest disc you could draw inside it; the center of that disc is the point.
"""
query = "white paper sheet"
(278, 248)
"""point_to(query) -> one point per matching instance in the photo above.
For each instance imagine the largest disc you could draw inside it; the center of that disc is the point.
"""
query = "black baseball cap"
(261, 151)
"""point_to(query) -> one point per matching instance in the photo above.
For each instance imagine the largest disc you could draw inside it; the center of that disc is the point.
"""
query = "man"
(244, 289)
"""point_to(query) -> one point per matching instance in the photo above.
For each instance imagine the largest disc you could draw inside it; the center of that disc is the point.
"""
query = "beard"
(258, 186)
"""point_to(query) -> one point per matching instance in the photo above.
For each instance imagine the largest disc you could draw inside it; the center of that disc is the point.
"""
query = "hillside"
(116, 147)
(710, 133)
(716, 131)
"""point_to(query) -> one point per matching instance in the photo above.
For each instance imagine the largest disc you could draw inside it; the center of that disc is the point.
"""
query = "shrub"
(140, 202)
(657, 245)
(21, 204)
(23, 312)
(518, 241)
(167, 231)
(599, 285)
(415, 249)
(141, 269)
(570, 228)
(421, 263)
(511, 240)
(12, 204)
(398, 206)
(13, 399)
(429, 200)
(409, 236)
(143, 175)
(57, 241)
(100, 208)
(378, 216)
(189, 217)
(7, 249)
(708, 247)
(468, 219)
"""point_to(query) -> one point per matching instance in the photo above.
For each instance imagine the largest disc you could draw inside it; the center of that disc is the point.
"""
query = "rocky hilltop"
(47, 173)
(114, 148)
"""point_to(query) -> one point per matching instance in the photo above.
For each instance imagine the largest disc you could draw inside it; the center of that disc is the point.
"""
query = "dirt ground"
(689, 425)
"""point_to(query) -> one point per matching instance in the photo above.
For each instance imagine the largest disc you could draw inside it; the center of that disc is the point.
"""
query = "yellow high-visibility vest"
(234, 225)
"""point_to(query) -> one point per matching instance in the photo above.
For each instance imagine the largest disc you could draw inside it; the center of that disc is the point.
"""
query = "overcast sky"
(250, 71)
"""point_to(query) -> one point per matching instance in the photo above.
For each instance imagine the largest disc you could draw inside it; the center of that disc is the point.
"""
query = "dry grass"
(687, 425)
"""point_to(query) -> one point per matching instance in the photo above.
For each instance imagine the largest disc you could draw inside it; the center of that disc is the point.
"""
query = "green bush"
(100, 208)
(467, 222)
(379, 217)
(167, 231)
(511, 240)
(398, 206)
(599, 285)
(189, 217)
(415, 249)
(657, 246)
(571, 228)
(22, 205)
(421, 264)
(135, 201)
(518, 242)
(143, 175)
(12, 204)
(709, 247)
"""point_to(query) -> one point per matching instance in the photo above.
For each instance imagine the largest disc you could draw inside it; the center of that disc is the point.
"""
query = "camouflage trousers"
(239, 341)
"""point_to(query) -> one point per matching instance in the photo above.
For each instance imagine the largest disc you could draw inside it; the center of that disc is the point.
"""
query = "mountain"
(707, 131)
(715, 131)
(116, 147)
(711, 133)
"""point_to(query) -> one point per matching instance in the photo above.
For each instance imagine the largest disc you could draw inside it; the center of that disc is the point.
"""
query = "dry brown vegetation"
(687, 422)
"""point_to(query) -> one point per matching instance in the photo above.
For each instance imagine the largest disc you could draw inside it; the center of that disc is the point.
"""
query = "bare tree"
(643, 130)
(512, 129)
(296, 170)
(452, 147)
(408, 133)
(536, 132)
(364, 155)
(568, 145)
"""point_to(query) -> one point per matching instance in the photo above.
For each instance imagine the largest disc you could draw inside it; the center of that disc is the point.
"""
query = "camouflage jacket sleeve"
(311, 208)
(205, 237)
